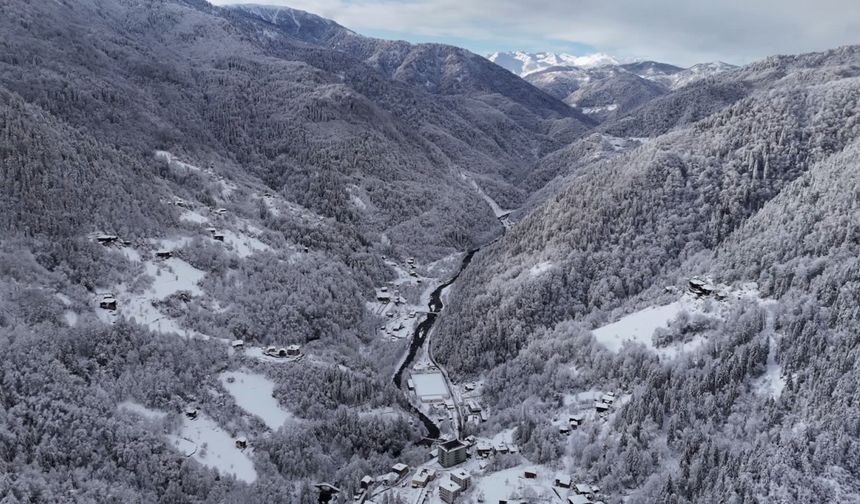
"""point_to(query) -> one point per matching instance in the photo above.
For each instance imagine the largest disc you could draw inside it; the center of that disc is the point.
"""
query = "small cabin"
(163, 254)
(241, 443)
(411, 261)
(276, 352)
(601, 407)
(107, 302)
(700, 287)
(365, 482)
(484, 448)
(218, 237)
(564, 429)
(412, 273)
(294, 351)
(191, 413)
(106, 239)
(238, 344)
(530, 473)
(608, 398)
(220, 211)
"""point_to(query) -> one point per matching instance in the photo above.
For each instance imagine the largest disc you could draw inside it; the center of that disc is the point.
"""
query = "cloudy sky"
(676, 31)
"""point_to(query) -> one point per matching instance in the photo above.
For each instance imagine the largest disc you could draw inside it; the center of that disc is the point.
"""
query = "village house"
(530, 473)
(562, 481)
(473, 407)
(608, 398)
(601, 407)
(700, 287)
(220, 211)
(107, 302)
(163, 254)
(238, 344)
(451, 453)
(400, 469)
(365, 482)
(241, 443)
(449, 491)
(383, 296)
(501, 447)
(276, 352)
(484, 448)
(107, 239)
(575, 421)
(423, 477)
(294, 350)
(564, 429)
(218, 237)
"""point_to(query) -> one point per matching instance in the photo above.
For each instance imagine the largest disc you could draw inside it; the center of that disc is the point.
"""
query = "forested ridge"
(255, 174)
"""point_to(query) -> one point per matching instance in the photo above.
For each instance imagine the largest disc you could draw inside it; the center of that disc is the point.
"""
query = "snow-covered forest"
(248, 255)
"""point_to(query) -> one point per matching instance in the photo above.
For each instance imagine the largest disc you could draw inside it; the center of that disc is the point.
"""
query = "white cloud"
(678, 31)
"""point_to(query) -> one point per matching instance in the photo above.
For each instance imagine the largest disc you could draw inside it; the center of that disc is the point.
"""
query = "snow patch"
(244, 245)
(540, 268)
(203, 440)
(637, 327)
(254, 394)
(141, 410)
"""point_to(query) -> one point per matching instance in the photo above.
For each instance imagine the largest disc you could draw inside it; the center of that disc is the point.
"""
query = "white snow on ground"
(173, 275)
(430, 385)
(540, 268)
(173, 162)
(169, 277)
(63, 298)
(357, 202)
(141, 410)
(510, 485)
(194, 217)
(637, 327)
(253, 393)
(130, 254)
(173, 243)
(71, 318)
(244, 245)
(597, 110)
(210, 445)
(772, 382)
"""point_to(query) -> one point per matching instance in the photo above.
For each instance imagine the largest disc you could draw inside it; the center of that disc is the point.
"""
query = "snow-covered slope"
(523, 63)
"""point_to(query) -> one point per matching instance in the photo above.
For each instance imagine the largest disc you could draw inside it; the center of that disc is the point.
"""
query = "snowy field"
(638, 327)
(430, 386)
(203, 440)
(210, 445)
(253, 393)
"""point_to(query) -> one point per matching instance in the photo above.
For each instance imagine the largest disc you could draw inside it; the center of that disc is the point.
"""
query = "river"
(420, 334)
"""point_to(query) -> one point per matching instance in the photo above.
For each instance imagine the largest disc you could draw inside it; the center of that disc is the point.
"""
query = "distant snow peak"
(523, 63)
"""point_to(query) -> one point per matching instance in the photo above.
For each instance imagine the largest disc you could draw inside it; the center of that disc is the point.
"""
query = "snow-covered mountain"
(599, 85)
(524, 63)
